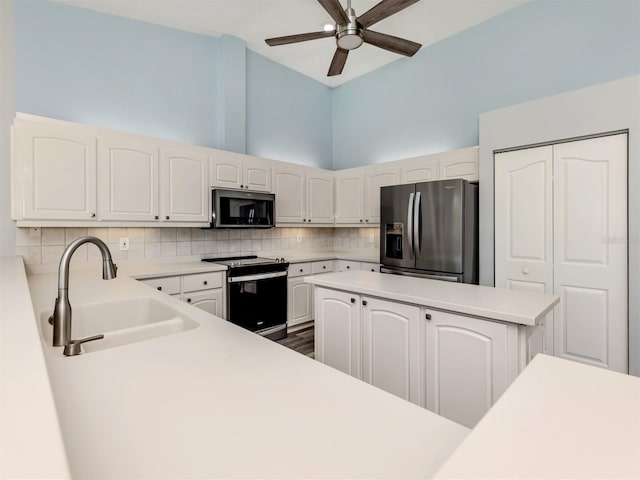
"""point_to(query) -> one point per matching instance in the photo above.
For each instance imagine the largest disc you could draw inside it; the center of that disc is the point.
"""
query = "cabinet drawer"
(202, 281)
(348, 266)
(322, 267)
(299, 269)
(369, 267)
(169, 285)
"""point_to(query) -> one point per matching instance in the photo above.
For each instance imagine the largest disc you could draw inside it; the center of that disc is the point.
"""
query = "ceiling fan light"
(349, 41)
(328, 27)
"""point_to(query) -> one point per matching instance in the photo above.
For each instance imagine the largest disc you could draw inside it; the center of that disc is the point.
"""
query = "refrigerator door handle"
(410, 225)
(417, 227)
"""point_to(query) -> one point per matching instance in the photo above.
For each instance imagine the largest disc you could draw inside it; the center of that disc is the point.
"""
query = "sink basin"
(122, 322)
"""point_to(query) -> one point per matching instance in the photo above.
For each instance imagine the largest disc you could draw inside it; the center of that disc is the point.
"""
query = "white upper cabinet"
(128, 179)
(58, 175)
(373, 180)
(420, 169)
(185, 185)
(320, 196)
(459, 164)
(350, 196)
(235, 170)
(290, 189)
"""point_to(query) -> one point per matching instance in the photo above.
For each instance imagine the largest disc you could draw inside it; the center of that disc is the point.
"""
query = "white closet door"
(590, 272)
(524, 224)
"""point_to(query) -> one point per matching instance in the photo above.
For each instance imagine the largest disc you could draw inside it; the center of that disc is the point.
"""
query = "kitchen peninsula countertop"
(219, 401)
(525, 308)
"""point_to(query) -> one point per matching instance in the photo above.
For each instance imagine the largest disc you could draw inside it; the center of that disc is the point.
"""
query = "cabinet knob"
(428, 316)
(188, 300)
(167, 217)
(160, 289)
(525, 271)
(367, 220)
(364, 302)
(205, 282)
(353, 300)
(241, 186)
(246, 186)
(93, 215)
(373, 269)
(156, 217)
(301, 270)
(304, 219)
(324, 267)
(360, 220)
(348, 267)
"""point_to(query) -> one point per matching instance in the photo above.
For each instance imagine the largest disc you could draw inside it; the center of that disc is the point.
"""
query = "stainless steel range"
(257, 293)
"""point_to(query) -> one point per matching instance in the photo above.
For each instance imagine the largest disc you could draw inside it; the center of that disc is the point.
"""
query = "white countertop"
(559, 419)
(219, 401)
(525, 308)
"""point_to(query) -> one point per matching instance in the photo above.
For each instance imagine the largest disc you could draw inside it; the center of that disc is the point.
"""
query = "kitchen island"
(217, 401)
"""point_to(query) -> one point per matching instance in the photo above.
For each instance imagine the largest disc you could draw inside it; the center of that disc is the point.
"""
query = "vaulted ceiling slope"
(426, 22)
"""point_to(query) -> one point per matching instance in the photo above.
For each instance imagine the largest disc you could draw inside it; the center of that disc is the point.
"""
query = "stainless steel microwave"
(242, 209)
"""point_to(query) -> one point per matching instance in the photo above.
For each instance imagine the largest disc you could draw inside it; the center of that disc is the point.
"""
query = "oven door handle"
(259, 276)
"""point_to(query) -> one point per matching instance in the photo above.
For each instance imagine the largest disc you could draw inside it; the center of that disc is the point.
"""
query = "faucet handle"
(73, 347)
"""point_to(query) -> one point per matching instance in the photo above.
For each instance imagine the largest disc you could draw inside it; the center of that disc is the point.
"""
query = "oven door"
(257, 302)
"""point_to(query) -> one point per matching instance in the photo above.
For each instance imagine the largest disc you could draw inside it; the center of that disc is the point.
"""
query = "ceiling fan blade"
(334, 9)
(301, 37)
(382, 10)
(337, 64)
(391, 43)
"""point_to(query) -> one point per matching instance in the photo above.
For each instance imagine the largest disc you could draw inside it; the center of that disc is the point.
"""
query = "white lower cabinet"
(337, 330)
(465, 365)
(391, 347)
(299, 301)
(202, 290)
(455, 365)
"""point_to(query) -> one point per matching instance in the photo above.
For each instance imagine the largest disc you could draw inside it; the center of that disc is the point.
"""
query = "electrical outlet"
(299, 238)
(124, 243)
(371, 239)
(35, 232)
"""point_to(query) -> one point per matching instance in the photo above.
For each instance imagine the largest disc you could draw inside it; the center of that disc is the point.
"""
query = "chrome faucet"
(61, 318)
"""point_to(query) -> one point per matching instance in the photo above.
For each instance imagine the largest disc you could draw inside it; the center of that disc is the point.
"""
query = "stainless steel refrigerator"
(430, 230)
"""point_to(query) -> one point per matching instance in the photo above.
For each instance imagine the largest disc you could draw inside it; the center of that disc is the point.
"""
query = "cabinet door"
(289, 187)
(210, 301)
(320, 197)
(337, 330)
(59, 172)
(185, 186)
(524, 224)
(256, 174)
(299, 301)
(350, 197)
(420, 169)
(459, 164)
(466, 365)
(128, 180)
(373, 181)
(391, 347)
(590, 249)
(226, 170)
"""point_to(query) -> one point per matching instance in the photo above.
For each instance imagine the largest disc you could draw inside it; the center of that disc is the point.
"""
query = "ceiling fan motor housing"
(349, 36)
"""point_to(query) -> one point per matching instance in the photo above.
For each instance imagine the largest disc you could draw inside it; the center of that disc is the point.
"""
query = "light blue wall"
(288, 114)
(431, 102)
(88, 67)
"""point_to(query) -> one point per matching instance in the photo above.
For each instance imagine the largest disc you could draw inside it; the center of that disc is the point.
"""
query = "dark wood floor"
(301, 341)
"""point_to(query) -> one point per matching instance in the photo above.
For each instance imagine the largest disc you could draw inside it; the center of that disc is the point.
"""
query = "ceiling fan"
(351, 31)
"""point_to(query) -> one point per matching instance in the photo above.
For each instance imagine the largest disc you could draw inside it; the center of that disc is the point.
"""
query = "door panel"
(590, 275)
(185, 191)
(290, 189)
(299, 301)
(373, 181)
(350, 198)
(391, 347)
(257, 175)
(319, 197)
(210, 301)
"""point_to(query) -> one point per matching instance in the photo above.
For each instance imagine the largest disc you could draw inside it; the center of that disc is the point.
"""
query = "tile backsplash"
(45, 245)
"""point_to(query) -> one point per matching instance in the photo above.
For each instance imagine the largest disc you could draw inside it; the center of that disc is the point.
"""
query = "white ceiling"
(426, 22)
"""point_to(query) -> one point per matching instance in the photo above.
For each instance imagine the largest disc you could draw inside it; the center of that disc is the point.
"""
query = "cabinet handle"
(205, 282)
(93, 215)
(427, 316)
(353, 300)
(156, 217)
(167, 217)
(364, 302)
(160, 289)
